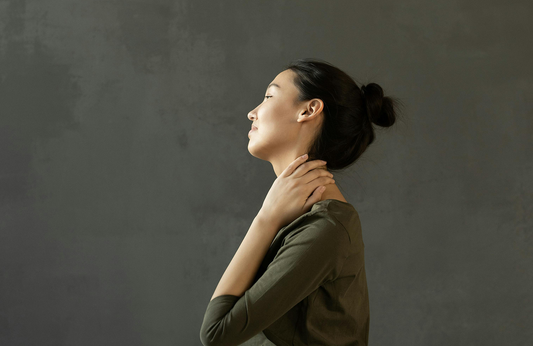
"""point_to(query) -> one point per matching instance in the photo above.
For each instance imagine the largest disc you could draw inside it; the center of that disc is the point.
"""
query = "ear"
(312, 109)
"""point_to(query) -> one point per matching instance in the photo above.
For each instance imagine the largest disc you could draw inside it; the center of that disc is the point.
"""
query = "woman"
(298, 277)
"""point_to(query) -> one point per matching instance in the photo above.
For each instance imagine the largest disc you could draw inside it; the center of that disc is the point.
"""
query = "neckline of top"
(336, 200)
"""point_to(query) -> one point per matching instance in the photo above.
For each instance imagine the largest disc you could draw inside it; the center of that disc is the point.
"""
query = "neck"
(332, 192)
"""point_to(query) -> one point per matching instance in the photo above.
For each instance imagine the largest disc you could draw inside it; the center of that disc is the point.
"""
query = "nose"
(251, 114)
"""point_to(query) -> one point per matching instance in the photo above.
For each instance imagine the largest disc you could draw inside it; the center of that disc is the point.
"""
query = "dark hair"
(349, 111)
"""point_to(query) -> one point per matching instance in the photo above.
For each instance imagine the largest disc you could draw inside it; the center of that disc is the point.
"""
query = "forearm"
(241, 271)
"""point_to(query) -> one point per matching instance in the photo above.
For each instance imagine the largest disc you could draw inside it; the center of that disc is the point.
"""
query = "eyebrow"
(273, 84)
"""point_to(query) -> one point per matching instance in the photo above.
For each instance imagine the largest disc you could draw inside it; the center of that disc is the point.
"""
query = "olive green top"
(310, 289)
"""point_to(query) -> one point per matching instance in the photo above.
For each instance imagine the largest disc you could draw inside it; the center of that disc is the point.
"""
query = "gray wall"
(127, 186)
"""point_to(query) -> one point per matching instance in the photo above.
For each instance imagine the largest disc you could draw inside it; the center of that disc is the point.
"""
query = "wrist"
(267, 222)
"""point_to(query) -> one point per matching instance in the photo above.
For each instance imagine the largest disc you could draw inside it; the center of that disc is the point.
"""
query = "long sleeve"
(310, 256)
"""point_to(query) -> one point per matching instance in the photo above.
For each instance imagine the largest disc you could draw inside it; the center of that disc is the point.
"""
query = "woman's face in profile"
(278, 130)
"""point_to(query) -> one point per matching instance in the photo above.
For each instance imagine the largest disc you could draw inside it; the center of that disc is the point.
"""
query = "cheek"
(275, 120)
(277, 113)
(277, 130)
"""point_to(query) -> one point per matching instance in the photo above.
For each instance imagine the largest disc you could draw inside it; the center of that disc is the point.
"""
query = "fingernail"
(303, 156)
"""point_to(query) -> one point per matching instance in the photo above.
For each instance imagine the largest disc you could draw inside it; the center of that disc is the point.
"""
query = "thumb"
(315, 197)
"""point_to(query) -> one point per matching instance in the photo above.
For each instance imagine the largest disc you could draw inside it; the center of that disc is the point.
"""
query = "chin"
(252, 151)
(255, 153)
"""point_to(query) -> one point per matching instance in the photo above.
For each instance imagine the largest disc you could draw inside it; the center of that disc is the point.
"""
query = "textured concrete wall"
(126, 184)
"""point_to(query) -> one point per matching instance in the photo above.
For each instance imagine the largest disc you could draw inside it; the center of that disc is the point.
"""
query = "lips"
(252, 130)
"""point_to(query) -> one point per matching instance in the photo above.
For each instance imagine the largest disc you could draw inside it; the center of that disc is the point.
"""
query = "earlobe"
(303, 115)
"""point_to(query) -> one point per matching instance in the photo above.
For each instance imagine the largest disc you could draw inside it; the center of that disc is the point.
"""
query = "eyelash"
(267, 96)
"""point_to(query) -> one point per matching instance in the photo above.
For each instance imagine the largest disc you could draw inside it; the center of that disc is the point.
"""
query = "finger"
(322, 181)
(315, 197)
(314, 174)
(293, 165)
(313, 185)
(308, 166)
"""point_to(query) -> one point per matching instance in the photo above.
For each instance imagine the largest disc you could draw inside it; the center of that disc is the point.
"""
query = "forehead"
(285, 80)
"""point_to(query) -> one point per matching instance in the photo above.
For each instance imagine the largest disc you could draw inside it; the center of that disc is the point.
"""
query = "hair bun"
(380, 108)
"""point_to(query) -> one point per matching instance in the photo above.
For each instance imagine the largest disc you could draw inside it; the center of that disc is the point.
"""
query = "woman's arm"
(313, 254)
(292, 194)
(241, 271)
